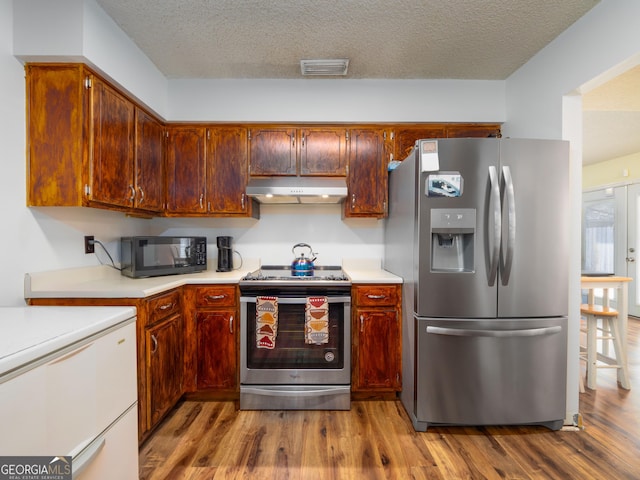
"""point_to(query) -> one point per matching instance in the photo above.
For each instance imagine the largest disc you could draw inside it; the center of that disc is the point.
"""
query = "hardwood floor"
(213, 440)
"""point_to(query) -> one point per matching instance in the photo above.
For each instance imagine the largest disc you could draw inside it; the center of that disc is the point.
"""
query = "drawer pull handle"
(166, 306)
(375, 297)
(215, 297)
(71, 354)
(155, 344)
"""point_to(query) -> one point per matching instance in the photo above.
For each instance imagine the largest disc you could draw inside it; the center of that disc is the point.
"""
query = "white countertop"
(31, 333)
(368, 271)
(105, 282)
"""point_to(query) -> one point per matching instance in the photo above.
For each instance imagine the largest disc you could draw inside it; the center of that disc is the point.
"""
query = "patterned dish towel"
(316, 320)
(266, 322)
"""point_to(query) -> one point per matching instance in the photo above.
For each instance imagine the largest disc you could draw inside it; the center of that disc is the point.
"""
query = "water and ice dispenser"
(453, 233)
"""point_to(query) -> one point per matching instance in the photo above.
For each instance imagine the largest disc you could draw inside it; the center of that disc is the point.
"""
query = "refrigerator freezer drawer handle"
(529, 332)
(511, 225)
(495, 214)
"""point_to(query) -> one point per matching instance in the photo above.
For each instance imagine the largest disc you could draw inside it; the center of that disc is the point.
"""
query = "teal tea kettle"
(302, 266)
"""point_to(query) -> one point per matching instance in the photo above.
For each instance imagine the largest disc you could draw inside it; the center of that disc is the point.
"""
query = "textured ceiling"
(383, 39)
(452, 39)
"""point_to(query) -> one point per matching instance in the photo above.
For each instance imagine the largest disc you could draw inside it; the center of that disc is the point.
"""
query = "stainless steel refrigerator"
(479, 230)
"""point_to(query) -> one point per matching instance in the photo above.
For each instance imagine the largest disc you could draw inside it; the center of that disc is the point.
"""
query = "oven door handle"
(298, 300)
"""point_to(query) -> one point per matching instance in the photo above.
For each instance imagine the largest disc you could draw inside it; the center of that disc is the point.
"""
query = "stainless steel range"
(295, 340)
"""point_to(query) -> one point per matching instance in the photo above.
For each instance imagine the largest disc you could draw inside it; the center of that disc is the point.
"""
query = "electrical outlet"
(89, 246)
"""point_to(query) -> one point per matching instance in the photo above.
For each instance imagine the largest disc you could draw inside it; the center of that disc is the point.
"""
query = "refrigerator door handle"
(495, 212)
(464, 332)
(511, 224)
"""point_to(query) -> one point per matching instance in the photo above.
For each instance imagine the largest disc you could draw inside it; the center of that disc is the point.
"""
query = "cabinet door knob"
(155, 344)
(231, 324)
(362, 323)
(133, 193)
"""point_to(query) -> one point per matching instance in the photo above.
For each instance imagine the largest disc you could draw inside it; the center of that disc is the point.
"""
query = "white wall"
(332, 100)
(45, 239)
(542, 102)
(79, 30)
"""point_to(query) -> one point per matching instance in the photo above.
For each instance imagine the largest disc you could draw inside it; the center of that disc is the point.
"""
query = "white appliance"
(68, 387)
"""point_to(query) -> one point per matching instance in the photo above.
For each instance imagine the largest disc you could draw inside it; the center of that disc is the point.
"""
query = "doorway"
(633, 237)
(610, 236)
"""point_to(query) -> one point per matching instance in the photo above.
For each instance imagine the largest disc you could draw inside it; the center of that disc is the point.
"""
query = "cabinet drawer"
(216, 296)
(164, 306)
(376, 295)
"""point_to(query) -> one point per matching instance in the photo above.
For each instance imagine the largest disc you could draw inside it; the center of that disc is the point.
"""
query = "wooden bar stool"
(608, 330)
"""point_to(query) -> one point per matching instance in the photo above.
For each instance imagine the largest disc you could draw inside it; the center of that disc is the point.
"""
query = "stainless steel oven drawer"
(295, 397)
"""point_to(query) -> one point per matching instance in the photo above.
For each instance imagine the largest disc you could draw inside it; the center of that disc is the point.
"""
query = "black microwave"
(155, 256)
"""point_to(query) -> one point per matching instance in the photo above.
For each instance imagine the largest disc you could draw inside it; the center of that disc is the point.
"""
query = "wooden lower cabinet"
(164, 355)
(216, 347)
(165, 346)
(376, 339)
(212, 331)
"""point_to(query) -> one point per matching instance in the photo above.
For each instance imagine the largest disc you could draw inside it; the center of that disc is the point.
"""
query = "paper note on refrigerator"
(429, 161)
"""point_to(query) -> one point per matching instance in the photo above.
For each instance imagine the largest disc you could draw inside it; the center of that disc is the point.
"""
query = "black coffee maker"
(225, 254)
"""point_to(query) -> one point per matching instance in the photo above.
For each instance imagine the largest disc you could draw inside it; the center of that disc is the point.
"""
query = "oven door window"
(291, 351)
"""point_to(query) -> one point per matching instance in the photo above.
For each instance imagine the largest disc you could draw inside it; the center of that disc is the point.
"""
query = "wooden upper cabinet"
(149, 163)
(57, 145)
(113, 146)
(478, 130)
(306, 151)
(323, 151)
(367, 179)
(228, 172)
(406, 136)
(272, 151)
(83, 148)
(186, 163)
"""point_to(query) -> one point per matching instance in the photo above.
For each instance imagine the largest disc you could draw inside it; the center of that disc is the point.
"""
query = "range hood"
(297, 189)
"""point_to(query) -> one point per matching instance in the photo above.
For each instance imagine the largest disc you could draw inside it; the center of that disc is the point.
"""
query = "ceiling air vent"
(324, 67)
